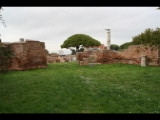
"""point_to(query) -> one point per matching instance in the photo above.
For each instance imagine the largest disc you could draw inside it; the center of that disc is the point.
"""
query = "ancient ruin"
(56, 58)
(135, 54)
(31, 54)
(28, 54)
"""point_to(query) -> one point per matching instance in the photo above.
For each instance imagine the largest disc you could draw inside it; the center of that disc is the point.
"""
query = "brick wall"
(28, 54)
(132, 55)
(53, 58)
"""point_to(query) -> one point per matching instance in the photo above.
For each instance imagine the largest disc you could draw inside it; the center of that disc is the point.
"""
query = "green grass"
(70, 88)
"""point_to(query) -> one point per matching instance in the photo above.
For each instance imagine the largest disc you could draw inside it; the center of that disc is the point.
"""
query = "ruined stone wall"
(99, 56)
(54, 58)
(86, 57)
(107, 56)
(28, 54)
(132, 55)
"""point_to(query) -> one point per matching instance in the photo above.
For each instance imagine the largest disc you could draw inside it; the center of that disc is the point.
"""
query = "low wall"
(132, 55)
(54, 58)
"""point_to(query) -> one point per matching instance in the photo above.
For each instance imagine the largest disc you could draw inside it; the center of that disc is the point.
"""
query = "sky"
(53, 25)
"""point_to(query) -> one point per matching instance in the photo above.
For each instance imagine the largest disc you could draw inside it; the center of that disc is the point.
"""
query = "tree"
(148, 37)
(125, 45)
(1, 17)
(114, 47)
(77, 42)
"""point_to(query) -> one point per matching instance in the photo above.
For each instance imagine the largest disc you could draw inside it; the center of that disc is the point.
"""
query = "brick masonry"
(132, 55)
(28, 54)
(54, 58)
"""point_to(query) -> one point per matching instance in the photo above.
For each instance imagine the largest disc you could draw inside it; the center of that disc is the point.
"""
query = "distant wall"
(132, 55)
(54, 58)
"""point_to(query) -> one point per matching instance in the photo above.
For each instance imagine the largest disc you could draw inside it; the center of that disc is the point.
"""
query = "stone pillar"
(143, 61)
(108, 39)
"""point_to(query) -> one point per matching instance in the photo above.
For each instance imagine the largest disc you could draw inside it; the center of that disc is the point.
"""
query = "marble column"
(108, 39)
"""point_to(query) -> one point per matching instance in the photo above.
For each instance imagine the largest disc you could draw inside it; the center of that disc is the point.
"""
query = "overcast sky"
(53, 25)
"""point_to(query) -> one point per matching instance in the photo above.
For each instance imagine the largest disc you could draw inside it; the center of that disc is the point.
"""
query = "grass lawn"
(70, 88)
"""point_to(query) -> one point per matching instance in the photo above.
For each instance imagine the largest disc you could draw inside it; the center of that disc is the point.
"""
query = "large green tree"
(148, 37)
(78, 42)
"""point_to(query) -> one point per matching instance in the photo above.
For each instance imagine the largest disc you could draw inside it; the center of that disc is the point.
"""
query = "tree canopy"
(79, 42)
(125, 45)
(148, 37)
(1, 17)
(114, 47)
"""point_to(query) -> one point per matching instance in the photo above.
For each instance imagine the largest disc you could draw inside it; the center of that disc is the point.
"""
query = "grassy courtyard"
(70, 88)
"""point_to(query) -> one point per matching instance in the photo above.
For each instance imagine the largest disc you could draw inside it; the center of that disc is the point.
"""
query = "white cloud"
(53, 25)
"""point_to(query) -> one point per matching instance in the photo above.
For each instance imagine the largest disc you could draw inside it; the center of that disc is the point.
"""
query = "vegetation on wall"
(5, 57)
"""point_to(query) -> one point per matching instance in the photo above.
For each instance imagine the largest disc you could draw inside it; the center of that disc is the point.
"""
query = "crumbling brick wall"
(107, 56)
(98, 56)
(132, 55)
(54, 58)
(28, 54)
